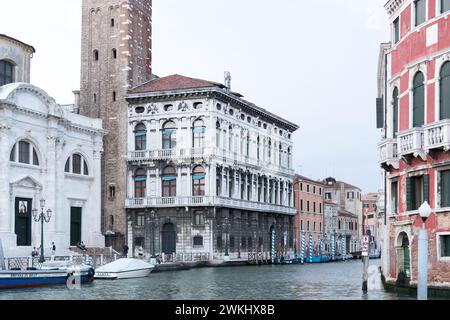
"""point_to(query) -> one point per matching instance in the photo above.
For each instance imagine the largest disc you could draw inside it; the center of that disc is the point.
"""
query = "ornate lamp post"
(422, 283)
(153, 217)
(42, 217)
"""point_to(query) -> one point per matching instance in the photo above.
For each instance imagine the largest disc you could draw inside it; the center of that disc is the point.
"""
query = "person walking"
(125, 250)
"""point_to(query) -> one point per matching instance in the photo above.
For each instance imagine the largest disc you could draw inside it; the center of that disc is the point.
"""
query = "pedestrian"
(35, 252)
(125, 250)
(53, 249)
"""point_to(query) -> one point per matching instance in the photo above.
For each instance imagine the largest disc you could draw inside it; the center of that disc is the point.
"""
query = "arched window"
(76, 164)
(198, 182)
(218, 134)
(95, 55)
(169, 182)
(6, 72)
(24, 152)
(169, 135)
(198, 134)
(140, 183)
(258, 147)
(445, 91)
(280, 155)
(418, 100)
(248, 145)
(140, 137)
(230, 139)
(395, 112)
(269, 152)
(289, 158)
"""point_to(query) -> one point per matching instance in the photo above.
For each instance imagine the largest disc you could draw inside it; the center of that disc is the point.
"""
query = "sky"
(311, 62)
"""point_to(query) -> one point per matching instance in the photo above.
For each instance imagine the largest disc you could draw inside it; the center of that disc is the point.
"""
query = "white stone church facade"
(45, 153)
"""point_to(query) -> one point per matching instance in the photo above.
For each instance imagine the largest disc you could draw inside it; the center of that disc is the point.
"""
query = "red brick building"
(414, 87)
(309, 202)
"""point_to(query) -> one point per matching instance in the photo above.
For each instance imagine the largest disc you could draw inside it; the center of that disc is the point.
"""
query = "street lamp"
(153, 216)
(41, 217)
(422, 290)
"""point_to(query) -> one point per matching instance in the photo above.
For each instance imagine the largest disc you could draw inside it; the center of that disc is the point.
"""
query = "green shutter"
(445, 189)
(445, 91)
(426, 188)
(409, 194)
(419, 101)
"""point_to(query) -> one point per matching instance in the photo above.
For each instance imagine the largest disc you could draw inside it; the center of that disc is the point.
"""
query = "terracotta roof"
(346, 213)
(174, 82)
(303, 178)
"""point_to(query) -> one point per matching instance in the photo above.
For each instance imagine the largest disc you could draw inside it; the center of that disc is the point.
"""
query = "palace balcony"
(201, 153)
(173, 202)
(389, 153)
(437, 136)
(412, 143)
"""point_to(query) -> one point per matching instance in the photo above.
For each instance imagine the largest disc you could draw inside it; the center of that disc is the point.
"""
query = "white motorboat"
(124, 269)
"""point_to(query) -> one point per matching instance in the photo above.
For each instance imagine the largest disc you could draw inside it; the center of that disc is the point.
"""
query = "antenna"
(228, 80)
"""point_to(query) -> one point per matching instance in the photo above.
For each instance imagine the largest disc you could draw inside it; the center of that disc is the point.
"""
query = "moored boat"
(124, 269)
(13, 279)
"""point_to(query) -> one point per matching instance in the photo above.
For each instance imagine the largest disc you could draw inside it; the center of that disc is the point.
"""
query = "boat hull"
(128, 274)
(40, 278)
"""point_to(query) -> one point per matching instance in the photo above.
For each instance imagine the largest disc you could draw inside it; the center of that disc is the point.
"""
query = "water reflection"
(332, 281)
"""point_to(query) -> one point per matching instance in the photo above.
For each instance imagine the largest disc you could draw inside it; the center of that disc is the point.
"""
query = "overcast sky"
(312, 62)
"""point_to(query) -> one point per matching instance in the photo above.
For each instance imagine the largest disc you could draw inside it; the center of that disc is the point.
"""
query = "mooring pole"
(365, 257)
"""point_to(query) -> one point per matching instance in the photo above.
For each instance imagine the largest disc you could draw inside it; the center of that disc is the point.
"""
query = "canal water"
(329, 281)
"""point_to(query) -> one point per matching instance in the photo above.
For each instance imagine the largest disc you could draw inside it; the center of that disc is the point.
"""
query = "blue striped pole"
(302, 252)
(333, 247)
(344, 249)
(273, 246)
(310, 248)
(320, 245)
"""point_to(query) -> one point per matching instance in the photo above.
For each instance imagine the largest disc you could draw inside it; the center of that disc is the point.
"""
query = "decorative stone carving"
(152, 109)
(183, 107)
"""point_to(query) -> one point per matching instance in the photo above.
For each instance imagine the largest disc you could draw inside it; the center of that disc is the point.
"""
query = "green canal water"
(330, 281)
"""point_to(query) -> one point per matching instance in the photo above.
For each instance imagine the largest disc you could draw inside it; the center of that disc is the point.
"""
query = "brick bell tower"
(116, 54)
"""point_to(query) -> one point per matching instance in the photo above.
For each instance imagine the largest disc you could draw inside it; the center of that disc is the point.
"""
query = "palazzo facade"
(208, 172)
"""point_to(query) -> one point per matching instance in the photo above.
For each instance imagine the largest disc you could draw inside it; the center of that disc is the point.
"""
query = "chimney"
(76, 105)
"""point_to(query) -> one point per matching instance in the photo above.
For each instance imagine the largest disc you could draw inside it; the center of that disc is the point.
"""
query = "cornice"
(393, 5)
(214, 93)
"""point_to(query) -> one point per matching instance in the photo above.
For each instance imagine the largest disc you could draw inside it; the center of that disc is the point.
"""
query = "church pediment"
(27, 183)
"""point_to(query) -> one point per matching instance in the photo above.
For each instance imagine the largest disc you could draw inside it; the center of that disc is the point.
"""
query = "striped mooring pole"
(344, 249)
(310, 248)
(320, 245)
(333, 247)
(273, 246)
(302, 252)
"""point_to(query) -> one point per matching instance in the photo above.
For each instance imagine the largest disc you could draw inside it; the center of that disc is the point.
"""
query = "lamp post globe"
(425, 211)
(422, 265)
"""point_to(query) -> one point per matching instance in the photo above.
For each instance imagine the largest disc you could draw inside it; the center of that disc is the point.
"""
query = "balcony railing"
(176, 154)
(136, 203)
(412, 143)
(389, 153)
(437, 135)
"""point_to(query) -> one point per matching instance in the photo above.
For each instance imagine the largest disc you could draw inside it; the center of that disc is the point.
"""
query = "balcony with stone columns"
(437, 136)
(388, 153)
(412, 144)
(199, 153)
(173, 202)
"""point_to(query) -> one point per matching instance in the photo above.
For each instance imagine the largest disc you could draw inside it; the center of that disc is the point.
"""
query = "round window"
(140, 110)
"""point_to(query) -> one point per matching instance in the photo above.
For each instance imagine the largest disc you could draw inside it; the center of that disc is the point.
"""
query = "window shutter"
(445, 189)
(409, 193)
(380, 113)
(426, 188)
